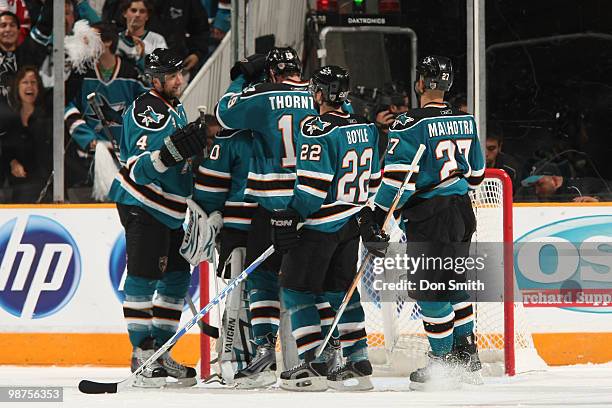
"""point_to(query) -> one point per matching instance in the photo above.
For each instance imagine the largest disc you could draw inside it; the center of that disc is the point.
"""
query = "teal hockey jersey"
(118, 93)
(337, 169)
(451, 164)
(221, 179)
(145, 125)
(274, 113)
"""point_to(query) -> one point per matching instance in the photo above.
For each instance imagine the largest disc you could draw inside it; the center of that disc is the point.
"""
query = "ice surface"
(584, 386)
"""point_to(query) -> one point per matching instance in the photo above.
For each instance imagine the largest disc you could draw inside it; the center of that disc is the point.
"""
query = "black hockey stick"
(207, 329)
(97, 109)
(94, 387)
(349, 293)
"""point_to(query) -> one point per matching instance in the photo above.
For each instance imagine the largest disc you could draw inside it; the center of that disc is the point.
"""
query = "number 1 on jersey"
(285, 125)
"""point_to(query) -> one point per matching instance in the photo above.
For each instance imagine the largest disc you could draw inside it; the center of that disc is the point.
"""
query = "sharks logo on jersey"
(316, 124)
(150, 116)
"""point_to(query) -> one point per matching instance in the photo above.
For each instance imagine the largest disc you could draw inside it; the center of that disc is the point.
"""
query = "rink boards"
(62, 270)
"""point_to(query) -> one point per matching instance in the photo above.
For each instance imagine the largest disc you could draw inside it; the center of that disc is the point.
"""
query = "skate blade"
(352, 384)
(182, 382)
(145, 382)
(310, 384)
(263, 379)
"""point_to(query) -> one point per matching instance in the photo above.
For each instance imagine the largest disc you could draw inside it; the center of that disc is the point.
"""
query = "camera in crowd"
(381, 105)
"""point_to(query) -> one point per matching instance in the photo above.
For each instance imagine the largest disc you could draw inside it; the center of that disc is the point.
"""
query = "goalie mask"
(332, 81)
(436, 71)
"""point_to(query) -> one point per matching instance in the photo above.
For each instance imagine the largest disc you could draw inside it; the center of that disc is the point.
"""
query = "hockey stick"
(207, 329)
(349, 293)
(95, 106)
(94, 387)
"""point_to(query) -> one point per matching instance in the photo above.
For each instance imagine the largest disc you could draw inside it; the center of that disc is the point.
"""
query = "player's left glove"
(374, 238)
(284, 229)
(251, 67)
(183, 144)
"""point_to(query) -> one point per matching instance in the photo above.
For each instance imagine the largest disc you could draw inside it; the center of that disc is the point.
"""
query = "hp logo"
(117, 270)
(40, 268)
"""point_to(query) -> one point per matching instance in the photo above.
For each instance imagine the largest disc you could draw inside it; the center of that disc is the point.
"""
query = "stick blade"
(92, 387)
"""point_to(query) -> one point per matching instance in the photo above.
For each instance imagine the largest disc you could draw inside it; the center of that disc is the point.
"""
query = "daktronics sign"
(40, 266)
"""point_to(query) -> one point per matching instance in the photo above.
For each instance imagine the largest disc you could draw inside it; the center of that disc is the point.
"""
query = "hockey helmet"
(282, 60)
(437, 72)
(333, 81)
(163, 61)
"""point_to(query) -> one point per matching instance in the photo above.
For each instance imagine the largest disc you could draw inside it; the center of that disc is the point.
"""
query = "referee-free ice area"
(570, 386)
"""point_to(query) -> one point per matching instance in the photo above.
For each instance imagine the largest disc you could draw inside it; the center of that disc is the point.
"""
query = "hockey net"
(396, 338)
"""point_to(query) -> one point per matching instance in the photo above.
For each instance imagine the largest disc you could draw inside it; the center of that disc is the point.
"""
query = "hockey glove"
(284, 229)
(374, 238)
(183, 144)
(251, 67)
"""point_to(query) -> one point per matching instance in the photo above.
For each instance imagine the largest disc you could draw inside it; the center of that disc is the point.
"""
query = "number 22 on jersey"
(353, 162)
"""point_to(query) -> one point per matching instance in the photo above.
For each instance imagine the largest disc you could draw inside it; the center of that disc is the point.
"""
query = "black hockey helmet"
(333, 81)
(283, 60)
(437, 72)
(163, 61)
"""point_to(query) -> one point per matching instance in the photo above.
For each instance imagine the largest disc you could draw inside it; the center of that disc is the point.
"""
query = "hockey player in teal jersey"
(436, 208)
(273, 110)
(116, 84)
(151, 192)
(337, 171)
(221, 179)
(219, 191)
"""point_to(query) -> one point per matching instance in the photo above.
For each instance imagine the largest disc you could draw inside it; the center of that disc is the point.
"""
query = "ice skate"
(261, 371)
(439, 374)
(469, 363)
(185, 376)
(154, 375)
(306, 376)
(353, 376)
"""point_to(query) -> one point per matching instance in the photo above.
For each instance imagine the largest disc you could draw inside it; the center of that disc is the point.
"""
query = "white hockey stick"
(362, 268)
(94, 387)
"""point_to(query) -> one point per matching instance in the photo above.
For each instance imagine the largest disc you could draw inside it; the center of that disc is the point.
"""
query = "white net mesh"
(396, 338)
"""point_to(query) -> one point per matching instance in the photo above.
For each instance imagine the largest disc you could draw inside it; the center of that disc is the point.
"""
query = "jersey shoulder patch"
(150, 112)
(406, 120)
(317, 126)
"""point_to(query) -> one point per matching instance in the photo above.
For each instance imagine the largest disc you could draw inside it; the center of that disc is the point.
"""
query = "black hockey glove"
(183, 144)
(373, 237)
(252, 67)
(284, 229)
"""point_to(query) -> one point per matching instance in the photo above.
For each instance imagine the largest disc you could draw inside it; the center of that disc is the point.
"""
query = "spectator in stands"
(28, 147)
(497, 159)
(18, 7)
(221, 23)
(136, 41)
(31, 52)
(547, 184)
(116, 84)
(79, 9)
(183, 23)
(459, 101)
(71, 15)
(393, 101)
